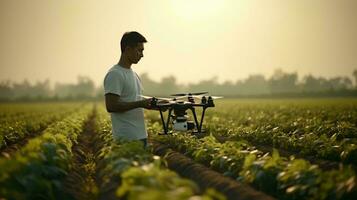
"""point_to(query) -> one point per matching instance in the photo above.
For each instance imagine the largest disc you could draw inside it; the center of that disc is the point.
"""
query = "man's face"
(136, 53)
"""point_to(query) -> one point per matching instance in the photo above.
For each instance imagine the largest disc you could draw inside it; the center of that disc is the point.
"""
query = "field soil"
(81, 182)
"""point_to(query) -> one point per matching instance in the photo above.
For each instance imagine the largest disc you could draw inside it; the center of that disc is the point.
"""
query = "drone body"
(177, 111)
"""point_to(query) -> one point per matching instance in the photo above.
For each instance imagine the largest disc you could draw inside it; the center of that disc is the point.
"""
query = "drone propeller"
(215, 97)
(159, 98)
(146, 97)
(188, 94)
(181, 97)
(204, 96)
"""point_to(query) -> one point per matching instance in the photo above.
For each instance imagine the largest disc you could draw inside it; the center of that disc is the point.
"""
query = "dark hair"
(131, 39)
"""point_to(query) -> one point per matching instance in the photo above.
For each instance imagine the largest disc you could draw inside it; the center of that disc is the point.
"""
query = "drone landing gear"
(196, 128)
(163, 133)
(201, 134)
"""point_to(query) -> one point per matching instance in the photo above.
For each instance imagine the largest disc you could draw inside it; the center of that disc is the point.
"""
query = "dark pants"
(145, 141)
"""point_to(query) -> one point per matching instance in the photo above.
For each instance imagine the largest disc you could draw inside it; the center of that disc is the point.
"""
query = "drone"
(177, 108)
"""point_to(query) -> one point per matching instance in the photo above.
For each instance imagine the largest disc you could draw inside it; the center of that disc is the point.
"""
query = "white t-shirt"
(125, 82)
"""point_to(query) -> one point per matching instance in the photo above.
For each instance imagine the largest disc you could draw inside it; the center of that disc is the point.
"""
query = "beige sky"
(191, 39)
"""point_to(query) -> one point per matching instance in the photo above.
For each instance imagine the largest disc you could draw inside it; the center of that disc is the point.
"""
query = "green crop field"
(251, 149)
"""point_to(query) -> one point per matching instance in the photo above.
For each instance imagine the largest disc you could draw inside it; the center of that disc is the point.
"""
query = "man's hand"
(146, 103)
(163, 109)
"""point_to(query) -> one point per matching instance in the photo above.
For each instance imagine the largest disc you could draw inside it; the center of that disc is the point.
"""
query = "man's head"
(132, 46)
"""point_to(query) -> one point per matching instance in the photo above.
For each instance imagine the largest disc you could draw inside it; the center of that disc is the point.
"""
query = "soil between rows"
(81, 181)
(205, 177)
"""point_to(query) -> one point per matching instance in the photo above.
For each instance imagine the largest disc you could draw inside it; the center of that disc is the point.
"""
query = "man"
(123, 91)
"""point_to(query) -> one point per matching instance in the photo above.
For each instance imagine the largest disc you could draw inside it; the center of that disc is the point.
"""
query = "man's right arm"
(113, 103)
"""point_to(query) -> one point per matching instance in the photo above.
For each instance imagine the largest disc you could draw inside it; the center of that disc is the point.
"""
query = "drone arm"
(168, 120)
(203, 115)
(163, 122)
(165, 126)
(199, 125)
(196, 121)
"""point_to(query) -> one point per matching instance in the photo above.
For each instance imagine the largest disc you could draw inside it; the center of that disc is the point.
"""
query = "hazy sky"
(191, 39)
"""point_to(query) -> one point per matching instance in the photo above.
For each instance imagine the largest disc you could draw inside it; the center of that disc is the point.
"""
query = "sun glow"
(197, 9)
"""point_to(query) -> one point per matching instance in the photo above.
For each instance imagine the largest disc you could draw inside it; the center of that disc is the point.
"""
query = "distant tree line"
(280, 84)
(25, 91)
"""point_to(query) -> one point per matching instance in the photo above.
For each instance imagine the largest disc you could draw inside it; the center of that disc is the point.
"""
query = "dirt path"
(81, 182)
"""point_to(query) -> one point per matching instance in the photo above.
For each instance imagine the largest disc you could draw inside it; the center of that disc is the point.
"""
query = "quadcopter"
(177, 108)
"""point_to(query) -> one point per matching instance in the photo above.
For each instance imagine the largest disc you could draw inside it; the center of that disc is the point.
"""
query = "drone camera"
(181, 118)
(183, 126)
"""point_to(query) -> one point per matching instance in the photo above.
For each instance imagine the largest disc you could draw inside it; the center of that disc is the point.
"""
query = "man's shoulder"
(114, 68)
(113, 74)
(115, 71)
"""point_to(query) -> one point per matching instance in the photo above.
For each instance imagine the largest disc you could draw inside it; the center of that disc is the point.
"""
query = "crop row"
(20, 111)
(33, 120)
(326, 130)
(139, 174)
(284, 178)
(37, 170)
